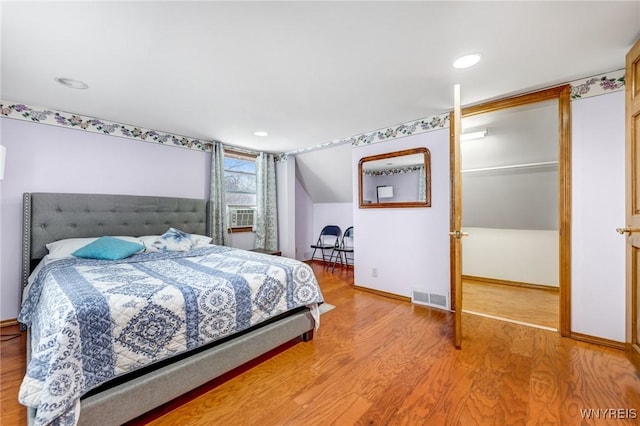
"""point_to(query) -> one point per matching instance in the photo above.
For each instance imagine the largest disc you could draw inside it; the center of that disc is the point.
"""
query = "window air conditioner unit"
(241, 217)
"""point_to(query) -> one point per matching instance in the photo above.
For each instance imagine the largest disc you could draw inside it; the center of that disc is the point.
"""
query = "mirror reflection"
(395, 179)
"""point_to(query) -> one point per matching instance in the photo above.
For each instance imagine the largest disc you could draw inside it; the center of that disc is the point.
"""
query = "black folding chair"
(345, 249)
(328, 239)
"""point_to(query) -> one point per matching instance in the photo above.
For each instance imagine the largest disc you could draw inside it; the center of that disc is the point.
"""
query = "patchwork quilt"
(93, 320)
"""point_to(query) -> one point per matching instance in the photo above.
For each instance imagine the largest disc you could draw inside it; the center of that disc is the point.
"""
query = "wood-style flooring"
(518, 304)
(381, 361)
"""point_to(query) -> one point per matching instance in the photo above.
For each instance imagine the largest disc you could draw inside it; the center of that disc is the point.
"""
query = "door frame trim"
(563, 95)
(632, 252)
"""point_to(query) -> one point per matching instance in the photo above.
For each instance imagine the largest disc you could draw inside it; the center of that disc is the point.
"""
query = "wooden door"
(455, 120)
(562, 94)
(632, 208)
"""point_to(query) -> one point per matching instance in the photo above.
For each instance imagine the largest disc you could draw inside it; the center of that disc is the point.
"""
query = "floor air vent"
(426, 298)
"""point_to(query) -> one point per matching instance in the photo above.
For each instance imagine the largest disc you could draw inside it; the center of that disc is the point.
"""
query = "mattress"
(94, 320)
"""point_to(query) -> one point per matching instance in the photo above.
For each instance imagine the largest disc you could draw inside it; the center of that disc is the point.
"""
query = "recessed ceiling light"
(71, 83)
(261, 133)
(467, 61)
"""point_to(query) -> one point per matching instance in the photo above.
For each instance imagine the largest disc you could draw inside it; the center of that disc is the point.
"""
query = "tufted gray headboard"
(49, 217)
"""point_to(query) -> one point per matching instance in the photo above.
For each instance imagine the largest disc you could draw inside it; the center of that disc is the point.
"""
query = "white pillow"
(152, 243)
(174, 240)
(200, 240)
(62, 249)
(148, 242)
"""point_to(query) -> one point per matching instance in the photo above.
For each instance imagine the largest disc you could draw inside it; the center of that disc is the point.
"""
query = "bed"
(110, 340)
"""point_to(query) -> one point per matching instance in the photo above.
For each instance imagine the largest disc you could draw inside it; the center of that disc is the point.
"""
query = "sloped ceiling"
(326, 174)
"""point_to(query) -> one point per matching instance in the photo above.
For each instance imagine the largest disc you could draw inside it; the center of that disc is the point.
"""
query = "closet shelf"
(513, 166)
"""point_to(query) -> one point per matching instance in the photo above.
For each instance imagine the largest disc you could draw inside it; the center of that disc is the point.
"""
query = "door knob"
(458, 234)
(627, 230)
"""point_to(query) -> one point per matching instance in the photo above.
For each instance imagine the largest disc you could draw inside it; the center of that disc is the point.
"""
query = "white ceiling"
(306, 72)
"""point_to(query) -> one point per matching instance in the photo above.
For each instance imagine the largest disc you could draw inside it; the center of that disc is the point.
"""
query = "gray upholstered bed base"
(129, 400)
(50, 217)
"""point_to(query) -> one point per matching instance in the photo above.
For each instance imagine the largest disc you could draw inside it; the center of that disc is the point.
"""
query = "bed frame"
(49, 217)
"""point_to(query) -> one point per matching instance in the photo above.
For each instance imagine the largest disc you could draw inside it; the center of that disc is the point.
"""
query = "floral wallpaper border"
(405, 129)
(580, 89)
(423, 125)
(90, 124)
(598, 85)
(393, 171)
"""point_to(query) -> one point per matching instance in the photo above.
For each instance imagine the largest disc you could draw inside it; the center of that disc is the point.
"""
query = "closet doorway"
(515, 204)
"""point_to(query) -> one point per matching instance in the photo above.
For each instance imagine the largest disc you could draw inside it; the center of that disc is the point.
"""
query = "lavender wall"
(286, 201)
(598, 208)
(304, 223)
(407, 247)
(43, 158)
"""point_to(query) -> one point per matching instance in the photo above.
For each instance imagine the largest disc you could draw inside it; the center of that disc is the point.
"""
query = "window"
(240, 187)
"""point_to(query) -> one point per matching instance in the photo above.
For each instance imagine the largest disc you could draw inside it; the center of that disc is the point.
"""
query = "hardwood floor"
(519, 304)
(12, 368)
(381, 361)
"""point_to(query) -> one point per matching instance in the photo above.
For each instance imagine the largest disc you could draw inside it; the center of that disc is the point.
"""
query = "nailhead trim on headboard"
(26, 238)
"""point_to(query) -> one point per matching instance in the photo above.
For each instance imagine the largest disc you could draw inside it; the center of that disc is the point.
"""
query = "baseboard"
(383, 293)
(511, 283)
(9, 323)
(599, 341)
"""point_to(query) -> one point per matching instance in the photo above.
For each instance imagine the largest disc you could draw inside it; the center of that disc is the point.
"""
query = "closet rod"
(514, 166)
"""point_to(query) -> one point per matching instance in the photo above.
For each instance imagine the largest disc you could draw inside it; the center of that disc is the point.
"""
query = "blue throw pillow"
(108, 248)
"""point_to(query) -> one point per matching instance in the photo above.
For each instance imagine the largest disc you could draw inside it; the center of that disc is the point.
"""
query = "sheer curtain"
(422, 187)
(266, 209)
(217, 196)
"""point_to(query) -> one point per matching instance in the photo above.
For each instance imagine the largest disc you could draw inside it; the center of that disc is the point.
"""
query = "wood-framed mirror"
(395, 179)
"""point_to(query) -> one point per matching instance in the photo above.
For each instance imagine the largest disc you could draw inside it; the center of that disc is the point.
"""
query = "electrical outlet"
(374, 272)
